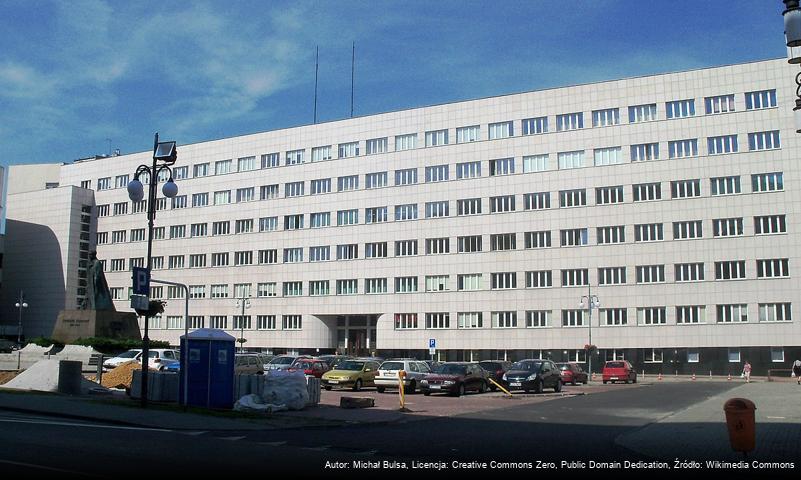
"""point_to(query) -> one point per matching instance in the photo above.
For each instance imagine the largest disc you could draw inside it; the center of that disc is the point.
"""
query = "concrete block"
(356, 402)
(313, 386)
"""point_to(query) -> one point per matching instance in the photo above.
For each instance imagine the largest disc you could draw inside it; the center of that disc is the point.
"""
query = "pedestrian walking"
(747, 372)
(797, 371)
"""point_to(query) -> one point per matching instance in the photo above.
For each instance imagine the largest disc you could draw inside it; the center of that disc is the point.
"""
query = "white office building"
(481, 224)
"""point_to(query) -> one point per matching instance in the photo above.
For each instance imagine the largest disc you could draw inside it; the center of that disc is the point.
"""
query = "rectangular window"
(200, 170)
(727, 227)
(770, 224)
(293, 255)
(539, 279)
(347, 287)
(569, 121)
(405, 142)
(375, 285)
(609, 195)
(648, 232)
(538, 318)
(687, 230)
(607, 156)
(567, 160)
(121, 181)
(732, 313)
(613, 316)
(177, 231)
(537, 201)
(438, 320)
(265, 322)
(268, 224)
(221, 228)
(689, 272)
(730, 270)
(293, 289)
(612, 276)
(724, 185)
(319, 154)
(320, 219)
(764, 140)
(197, 291)
(767, 182)
(375, 180)
(222, 167)
(118, 236)
(645, 192)
(773, 268)
(245, 164)
(503, 241)
(348, 251)
(321, 185)
(405, 212)
(405, 321)
(293, 222)
(102, 238)
(375, 215)
(179, 202)
(138, 234)
(775, 312)
(294, 189)
(606, 117)
(437, 209)
(197, 260)
(437, 283)
(574, 237)
(376, 145)
(268, 192)
(141, 206)
(573, 198)
(350, 149)
(468, 170)
(690, 314)
(268, 256)
(266, 289)
(348, 183)
(651, 316)
(539, 239)
(573, 318)
(650, 273)
(270, 160)
(438, 246)
(405, 248)
(243, 258)
(222, 197)
(319, 254)
(719, 104)
(437, 173)
(375, 250)
(347, 217)
(685, 188)
(642, 113)
(103, 183)
(645, 152)
(243, 226)
(436, 137)
(102, 210)
(406, 177)
(502, 166)
(535, 163)
(505, 203)
(683, 148)
(467, 134)
(504, 319)
(219, 291)
(469, 206)
(469, 320)
(219, 259)
(575, 277)
(121, 208)
(294, 157)
(469, 244)
(405, 284)
(722, 144)
(292, 322)
(468, 282)
(777, 354)
(535, 126)
(760, 99)
(500, 130)
(610, 235)
(503, 280)
(680, 109)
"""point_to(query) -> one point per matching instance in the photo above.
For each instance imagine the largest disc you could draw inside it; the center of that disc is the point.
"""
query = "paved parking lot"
(442, 405)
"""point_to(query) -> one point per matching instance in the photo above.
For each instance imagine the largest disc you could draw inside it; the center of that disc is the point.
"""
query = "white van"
(387, 376)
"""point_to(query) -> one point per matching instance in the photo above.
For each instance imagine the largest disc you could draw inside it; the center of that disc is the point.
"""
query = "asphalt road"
(576, 428)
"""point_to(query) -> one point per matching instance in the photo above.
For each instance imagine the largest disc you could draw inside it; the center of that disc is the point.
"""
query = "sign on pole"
(141, 281)
(432, 346)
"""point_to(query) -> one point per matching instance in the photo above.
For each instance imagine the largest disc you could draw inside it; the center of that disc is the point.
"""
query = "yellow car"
(353, 374)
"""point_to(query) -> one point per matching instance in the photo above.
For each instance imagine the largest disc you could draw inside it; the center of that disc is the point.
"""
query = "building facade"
(481, 224)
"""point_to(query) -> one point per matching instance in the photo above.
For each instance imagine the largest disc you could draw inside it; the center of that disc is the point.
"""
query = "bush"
(111, 345)
(44, 342)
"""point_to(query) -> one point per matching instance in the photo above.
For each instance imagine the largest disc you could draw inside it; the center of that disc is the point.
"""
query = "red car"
(619, 371)
(572, 373)
(310, 366)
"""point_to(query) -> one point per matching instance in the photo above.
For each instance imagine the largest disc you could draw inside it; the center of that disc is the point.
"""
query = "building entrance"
(356, 334)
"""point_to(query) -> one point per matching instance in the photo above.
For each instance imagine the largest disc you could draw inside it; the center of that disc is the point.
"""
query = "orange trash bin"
(741, 424)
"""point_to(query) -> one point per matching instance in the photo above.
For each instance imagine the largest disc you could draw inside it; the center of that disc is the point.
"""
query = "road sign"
(140, 302)
(141, 281)
(432, 351)
(432, 343)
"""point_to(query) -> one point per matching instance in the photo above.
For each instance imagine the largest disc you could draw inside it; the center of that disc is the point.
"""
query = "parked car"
(158, 358)
(351, 373)
(387, 376)
(333, 360)
(495, 370)
(174, 367)
(283, 362)
(532, 374)
(456, 378)
(310, 366)
(265, 359)
(619, 371)
(572, 373)
(248, 363)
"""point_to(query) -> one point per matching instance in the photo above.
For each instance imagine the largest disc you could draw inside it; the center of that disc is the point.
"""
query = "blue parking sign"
(141, 281)
(432, 343)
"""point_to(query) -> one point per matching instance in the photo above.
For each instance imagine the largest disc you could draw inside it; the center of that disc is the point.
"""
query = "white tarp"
(285, 388)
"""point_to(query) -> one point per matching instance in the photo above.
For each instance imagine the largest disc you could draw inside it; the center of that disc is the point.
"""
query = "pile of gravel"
(121, 376)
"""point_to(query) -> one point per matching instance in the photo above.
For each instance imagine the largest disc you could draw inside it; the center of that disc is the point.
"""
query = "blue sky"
(81, 77)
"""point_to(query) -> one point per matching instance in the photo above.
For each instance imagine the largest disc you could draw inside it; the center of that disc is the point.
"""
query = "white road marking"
(42, 467)
(777, 418)
(85, 425)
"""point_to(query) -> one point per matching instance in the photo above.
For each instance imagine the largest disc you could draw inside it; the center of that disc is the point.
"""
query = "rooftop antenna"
(352, 70)
(316, 68)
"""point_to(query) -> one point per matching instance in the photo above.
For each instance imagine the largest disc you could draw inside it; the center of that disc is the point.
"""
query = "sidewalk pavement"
(700, 433)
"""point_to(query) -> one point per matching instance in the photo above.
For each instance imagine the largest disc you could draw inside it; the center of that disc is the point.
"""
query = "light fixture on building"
(592, 302)
(792, 23)
(21, 304)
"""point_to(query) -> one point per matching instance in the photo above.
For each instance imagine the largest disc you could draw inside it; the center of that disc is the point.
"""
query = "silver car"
(387, 376)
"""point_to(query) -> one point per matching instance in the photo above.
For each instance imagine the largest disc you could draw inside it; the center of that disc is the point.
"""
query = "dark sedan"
(572, 373)
(455, 378)
(536, 375)
(495, 370)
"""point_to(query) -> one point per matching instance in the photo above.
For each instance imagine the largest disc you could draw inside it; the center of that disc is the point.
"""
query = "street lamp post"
(21, 304)
(792, 35)
(164, 155)
(243, 302)
(592, 302)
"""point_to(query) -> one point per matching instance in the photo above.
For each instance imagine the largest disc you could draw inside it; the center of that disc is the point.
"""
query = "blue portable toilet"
(207, 357)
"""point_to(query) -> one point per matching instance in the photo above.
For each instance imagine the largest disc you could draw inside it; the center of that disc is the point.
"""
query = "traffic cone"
(693, 376)
(660, 376)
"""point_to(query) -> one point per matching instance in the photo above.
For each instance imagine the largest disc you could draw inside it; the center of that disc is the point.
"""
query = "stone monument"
(97, 316)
